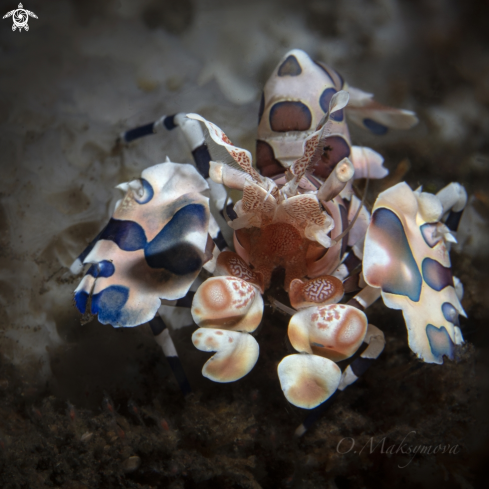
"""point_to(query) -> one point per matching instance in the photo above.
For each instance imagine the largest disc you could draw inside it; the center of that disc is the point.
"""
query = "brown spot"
(214, 295)
(243, 238)
(334, 150)
(308, 391)
(230, 339)
(266, 162)
(290, 116)
(219, 333)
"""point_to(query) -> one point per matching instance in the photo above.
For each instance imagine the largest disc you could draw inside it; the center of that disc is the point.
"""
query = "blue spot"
(169, 250)
(81, 299)
(317, 344)
(325, 98)
(375, 127)
(427, 232)
(324, 101)
(401, 276)
(450, 313)
(109, 302)
(440, 342)
(436, 275)
(337, 116)
(147, 192)
(290, 67)
(103, 269)
(127, 235)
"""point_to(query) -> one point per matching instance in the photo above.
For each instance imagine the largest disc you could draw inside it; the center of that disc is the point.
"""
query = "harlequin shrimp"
(298, 212)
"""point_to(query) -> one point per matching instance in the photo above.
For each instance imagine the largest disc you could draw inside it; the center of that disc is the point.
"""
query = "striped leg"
(353, 282)
(194, 136)
(375, 341)
(163, 338)
(191, 130)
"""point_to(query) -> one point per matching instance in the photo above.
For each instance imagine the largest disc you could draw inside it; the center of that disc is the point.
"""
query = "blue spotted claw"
(406, 256)
(153, 247)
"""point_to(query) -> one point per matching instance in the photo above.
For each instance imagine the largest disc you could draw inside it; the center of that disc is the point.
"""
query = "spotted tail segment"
(163, 338)
(294, 102)
(375, 341)
(195, 139)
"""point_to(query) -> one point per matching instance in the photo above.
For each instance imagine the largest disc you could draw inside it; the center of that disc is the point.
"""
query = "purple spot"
(324, 101)
(335, 148)
(401, 275)
(440, 342)
(266, 162)
(450, 313)
(427, 230)
(290, 116)
(436, 275)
